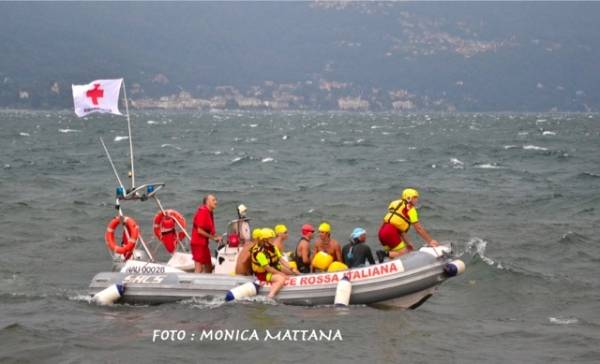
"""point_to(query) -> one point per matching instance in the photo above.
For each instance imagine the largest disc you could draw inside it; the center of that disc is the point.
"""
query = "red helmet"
(307, 228)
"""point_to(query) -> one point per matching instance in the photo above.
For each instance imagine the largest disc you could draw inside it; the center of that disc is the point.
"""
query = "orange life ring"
(158, 223)
(132, 230)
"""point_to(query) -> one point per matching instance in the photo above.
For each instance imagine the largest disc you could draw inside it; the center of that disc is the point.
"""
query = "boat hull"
(404, 282)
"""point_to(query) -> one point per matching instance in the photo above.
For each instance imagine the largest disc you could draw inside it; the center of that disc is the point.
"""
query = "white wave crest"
(170, 146)
(548, 132)
(533, 147)
(151, 122)
(80, 298)
(198, 302)
(456, 163)
(24, 134)
(563, 320)
(267, 160)
(69, 131)
(259, 299)
(476, 246)
(118, 138)
(488, 166)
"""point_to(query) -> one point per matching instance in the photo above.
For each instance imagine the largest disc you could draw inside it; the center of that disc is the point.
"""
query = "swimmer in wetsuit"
(356, 253)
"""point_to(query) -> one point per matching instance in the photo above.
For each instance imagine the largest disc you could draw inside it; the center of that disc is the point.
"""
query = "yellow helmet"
(267, 233)
(256, 234)
(409, 193)
(280, 229)
(324, 228)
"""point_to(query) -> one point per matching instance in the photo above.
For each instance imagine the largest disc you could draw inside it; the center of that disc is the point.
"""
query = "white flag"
(98, 96)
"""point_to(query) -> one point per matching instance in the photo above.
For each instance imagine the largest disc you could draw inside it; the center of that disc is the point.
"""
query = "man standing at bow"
(401, 215)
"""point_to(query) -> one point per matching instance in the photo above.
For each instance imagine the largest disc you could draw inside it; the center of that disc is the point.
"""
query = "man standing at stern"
(204, 230)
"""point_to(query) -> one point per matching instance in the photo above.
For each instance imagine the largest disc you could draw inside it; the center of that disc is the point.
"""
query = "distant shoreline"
(269, 111)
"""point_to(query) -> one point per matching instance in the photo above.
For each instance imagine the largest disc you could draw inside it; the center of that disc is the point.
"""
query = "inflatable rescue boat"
(406, 282)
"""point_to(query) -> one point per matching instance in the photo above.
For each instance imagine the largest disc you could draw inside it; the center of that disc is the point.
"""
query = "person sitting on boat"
(204, 230)
(301, 254)
(356, 253)
(243, 264)
(282, 234)
(401, 215)
(267, 264)
(325, 243)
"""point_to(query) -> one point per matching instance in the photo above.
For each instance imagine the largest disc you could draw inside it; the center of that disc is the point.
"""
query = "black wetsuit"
(355, 254)
(302, 268)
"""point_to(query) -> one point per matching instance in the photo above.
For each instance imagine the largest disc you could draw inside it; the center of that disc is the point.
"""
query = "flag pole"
(130, 140)
(112, 164)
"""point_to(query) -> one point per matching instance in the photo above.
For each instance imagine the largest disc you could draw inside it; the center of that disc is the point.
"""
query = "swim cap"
(242, 209)
(325, 228)
(357, 233)
(256, 234)
(307, 228)
(409, 193)
(280, 229)
(267, 233)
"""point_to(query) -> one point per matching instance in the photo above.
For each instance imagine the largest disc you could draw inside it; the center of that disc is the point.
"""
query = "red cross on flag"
(98, 96)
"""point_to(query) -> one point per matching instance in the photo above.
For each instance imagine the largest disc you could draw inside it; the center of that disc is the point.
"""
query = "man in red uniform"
(204, 230)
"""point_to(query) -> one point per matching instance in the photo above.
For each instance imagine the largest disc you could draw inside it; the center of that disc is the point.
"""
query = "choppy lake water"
(518, 194)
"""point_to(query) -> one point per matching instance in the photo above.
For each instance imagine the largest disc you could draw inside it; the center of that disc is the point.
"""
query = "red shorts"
(264, 276)
(201, 253)
(389, 235)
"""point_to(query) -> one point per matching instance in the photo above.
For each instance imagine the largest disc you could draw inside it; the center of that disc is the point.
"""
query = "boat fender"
(454, 268)
(342, 292)
(322, 261)
(336, 267)
(249, 289)
(109, 295)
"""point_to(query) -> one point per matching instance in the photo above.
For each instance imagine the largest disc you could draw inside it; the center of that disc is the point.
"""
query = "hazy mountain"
(524, 56)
